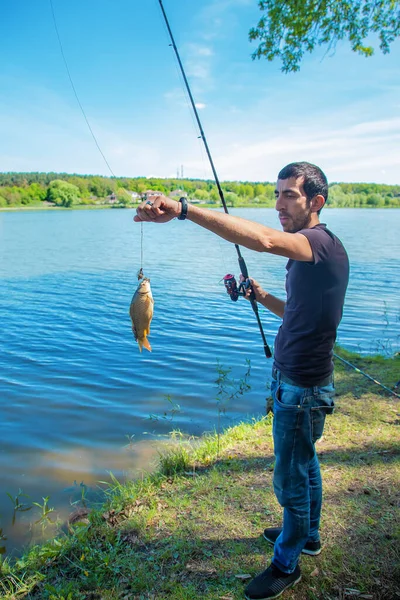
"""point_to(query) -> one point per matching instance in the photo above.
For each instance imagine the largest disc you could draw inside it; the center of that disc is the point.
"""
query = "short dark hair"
(315, 181)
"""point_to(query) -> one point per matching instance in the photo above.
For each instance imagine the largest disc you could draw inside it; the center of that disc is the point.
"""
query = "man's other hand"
(157, 209)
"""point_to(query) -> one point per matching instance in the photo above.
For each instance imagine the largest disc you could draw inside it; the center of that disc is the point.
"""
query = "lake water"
(75, 393)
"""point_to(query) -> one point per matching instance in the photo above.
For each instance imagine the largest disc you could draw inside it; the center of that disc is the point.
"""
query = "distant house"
(135, 195)
(177, 194)
(111, 199)
(150, 193)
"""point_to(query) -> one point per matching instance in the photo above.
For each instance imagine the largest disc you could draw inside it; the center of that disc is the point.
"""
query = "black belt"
(282, 377)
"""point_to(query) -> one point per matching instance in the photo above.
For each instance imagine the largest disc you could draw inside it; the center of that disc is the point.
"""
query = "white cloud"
(200, 105)
(200, 50)
(219, 16)
(176, 95)
(358, 151)
(198, 61)
(382, 126)
(197, 69)
(366, 151)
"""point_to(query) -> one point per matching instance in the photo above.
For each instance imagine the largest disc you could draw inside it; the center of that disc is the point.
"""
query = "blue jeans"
(299, 419)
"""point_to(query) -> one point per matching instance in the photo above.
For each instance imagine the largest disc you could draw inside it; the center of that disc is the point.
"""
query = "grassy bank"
(192, 530)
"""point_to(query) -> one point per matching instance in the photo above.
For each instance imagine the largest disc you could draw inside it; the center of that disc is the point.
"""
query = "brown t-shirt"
(314, 307)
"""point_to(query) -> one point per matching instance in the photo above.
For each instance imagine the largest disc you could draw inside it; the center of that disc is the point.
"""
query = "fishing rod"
(229, 280)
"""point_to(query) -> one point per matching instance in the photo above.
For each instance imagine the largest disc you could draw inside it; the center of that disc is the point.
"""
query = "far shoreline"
(211, 206)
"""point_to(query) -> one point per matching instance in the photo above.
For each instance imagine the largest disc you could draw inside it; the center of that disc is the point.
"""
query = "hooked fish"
(141, 313)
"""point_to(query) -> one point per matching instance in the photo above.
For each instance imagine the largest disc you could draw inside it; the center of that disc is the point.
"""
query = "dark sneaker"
(271, 583)
(271, 535)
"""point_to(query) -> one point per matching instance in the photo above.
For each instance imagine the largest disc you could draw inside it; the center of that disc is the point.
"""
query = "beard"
(298, 222)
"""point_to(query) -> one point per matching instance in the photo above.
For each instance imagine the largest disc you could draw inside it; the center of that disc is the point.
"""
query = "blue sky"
(341, 111)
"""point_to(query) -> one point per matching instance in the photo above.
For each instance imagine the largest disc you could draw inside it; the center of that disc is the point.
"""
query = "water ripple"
(73, 384)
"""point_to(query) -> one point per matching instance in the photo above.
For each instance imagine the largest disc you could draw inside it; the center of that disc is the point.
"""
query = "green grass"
(189, 530)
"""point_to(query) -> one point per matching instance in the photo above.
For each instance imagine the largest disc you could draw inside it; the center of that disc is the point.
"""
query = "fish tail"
(146, 344)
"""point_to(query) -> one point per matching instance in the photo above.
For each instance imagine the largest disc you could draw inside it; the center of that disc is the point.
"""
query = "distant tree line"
(62, 189)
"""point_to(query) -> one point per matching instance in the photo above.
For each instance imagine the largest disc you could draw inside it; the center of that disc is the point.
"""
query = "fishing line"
(86, 119)
(346, 362)
(242, 264)
(74, 89)
(141, 246)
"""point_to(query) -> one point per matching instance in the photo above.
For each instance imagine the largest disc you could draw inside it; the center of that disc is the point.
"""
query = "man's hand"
(255, 287)
(159, 209)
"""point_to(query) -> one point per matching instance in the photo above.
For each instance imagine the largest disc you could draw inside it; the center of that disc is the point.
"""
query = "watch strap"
(184, 209)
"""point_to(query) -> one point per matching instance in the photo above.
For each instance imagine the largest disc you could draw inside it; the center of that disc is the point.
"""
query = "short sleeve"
(320, 241)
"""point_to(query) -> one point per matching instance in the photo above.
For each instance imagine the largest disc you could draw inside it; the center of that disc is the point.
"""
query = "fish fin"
(146, 344)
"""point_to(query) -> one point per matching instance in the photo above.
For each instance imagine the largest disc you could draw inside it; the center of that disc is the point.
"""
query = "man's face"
(292, 204)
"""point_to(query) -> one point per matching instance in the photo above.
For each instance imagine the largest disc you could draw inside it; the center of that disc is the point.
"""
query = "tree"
(123, 196)
(231, 198)
(289, 28)
(36, 192)
(63, 193)
(200, 194)
(214, 196)
(375, 200)
(259, 190)
(101, 186)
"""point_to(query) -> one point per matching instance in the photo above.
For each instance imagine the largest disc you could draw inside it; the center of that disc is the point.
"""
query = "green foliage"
(100, 186)
(176, 460)
(169, 414)
(200, 194)
(214, 196)
(31, 189)
(229, 389)
(231, 199)
(123, 196)
(62, 193)
(289, 28)
(363, 195)
(45, 511)
(18, 505)
(21, 196)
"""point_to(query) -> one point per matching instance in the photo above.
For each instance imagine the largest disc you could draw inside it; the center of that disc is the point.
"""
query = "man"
(302, 385)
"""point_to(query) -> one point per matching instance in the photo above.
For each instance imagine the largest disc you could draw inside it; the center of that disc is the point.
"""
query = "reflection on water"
(76, 394)
(73, 480)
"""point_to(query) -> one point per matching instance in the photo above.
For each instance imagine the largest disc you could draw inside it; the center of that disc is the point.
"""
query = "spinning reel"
(232, 288)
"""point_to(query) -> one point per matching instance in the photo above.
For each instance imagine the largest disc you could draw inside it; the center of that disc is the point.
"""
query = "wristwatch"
(184, 209)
